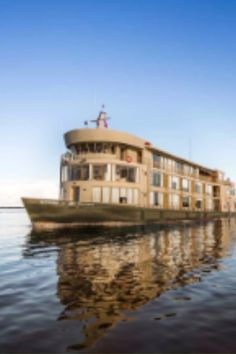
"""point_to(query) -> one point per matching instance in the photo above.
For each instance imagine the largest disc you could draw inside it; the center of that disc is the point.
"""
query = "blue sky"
(165, 70)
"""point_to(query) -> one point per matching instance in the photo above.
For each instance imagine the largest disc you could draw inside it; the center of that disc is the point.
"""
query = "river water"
(144, 290)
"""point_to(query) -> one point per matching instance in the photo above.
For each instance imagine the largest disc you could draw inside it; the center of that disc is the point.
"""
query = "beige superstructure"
(107, 166)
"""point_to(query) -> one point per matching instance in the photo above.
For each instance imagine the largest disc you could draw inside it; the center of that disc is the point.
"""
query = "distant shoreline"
(12, 207)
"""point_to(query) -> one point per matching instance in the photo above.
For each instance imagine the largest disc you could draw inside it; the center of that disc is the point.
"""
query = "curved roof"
(102, 135)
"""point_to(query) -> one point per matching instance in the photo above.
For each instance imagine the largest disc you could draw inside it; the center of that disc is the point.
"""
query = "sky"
(165, 69)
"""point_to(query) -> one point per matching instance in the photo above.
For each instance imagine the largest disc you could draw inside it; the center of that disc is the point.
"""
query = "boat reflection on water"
(103, 278)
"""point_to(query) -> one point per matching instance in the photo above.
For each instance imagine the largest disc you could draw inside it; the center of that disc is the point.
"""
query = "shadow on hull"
(52, 215)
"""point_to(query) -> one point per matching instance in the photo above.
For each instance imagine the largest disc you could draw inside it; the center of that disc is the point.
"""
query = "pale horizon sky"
(164, 69)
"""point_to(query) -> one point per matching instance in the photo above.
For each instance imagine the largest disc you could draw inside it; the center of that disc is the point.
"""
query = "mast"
(101, 121)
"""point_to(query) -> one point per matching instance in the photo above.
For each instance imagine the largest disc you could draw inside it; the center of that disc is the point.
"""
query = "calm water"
(160, 289)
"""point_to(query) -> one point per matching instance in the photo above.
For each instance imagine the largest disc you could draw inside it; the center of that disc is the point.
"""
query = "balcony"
(206, 178)
(87, 155)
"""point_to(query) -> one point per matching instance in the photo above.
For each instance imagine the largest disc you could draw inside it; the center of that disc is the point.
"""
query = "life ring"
(129, 159)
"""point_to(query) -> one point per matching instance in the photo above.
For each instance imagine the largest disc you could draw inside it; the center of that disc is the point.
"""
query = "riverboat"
(113, 178)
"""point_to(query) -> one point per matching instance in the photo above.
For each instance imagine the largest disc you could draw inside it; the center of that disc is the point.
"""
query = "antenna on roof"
(101, 121)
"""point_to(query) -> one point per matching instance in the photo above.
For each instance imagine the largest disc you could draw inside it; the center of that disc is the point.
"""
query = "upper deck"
(95, 141)
(89, 135)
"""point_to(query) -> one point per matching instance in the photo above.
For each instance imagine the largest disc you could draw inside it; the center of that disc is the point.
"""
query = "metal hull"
(50, 215)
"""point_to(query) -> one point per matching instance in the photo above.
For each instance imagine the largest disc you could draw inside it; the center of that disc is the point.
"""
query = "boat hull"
(50, 215)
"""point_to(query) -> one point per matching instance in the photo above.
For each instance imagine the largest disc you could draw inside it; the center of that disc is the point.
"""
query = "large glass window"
(106, 148)
(185, 185)
(80, 173)
(198, 188)
(156, 198)
(174, 182)
(186, 202)
(187, 169)
(99, 172)
(209, 189)
(198, 204)
(169, 163)
(174, 201)
(156, 160)
(232, 192)
(209, 204)
(128, 174)
(65, 173)
(179, 167)
(124, 195)
(156, 179)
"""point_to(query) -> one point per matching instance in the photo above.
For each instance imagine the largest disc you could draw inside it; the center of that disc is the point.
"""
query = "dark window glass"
(197, 188)
(156, 198)
(80, 173)
(99, 172)
(156, 160)
(126, 173)
(186, 202)
(179, 166)
(198, 204)
(156, 179)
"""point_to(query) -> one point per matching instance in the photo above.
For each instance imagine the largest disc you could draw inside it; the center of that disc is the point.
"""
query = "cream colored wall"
(133, 145)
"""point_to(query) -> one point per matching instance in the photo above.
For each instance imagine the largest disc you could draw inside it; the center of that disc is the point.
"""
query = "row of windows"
(100, 172)
(105, 148)
(177, 202)
(165, 163)
(115, 195)
(175, 182)
(231, 192)
(94, 148)
(111, 172)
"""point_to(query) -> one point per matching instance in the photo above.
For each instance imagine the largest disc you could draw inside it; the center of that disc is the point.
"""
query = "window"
(198, 188)
(174, 201)
(209, 189)
(185, 185)
(174, 182)
(156, 179)
(64, 173)
(115, 195)
(106, 148)
(80, 173)
(105, 194)
(126, 173)
(99, 172)
(98, 147)
(156, 160)
(186, 202)
(196, 171)
(198, 204)
(209, 204)
(169, 164)
(91, 147)
(96, 194)
(156, 198)
(179, 166)
(124, 195)
(83, 148)
(186, 169)
(135, 196)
